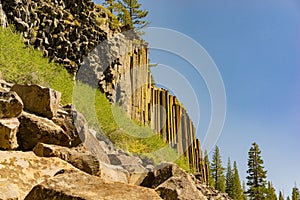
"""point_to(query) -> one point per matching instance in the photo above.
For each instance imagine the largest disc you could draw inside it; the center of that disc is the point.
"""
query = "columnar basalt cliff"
(87, 40)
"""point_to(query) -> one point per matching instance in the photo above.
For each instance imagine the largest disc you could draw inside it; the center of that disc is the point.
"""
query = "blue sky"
(256, 46)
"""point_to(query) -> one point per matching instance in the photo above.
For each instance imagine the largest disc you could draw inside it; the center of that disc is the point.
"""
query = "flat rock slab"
(11, 105)
(34, 129)
(8, 133)
(21, 171)
(81, 186)
(38, 100)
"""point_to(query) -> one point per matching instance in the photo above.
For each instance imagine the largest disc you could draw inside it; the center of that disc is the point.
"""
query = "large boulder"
(172, 182)
(34, 129)
(10, 105)
(78, 185)
(21, 171)
(180, 188)
(78, 157)
(65, 120)
(161, 173)
(8, 133)
(112, 173)
(38, 100)
(137, 172)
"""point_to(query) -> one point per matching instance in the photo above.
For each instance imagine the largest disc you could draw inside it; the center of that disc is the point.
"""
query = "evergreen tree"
(237, 191)
(128, 13)
(256, 174)
(295, 193)
(134, 13)
(110, 4)
(288, 198)
(207, 162)
(271, 195)
(229, 179)
(218, 171)
(280, 196)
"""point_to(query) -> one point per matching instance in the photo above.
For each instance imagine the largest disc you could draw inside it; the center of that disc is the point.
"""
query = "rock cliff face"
(84, 37)
(3, 19)
(66, 31)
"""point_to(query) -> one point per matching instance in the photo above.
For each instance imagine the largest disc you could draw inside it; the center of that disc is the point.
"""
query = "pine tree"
(271, 195)
(237, 191)
(256, 174)
(295, 193)
(134, 13)
(207, 162)
(128, 13)
(288, 198)
(218, 171)
(229, 179)
(280, 196)
(110, 4)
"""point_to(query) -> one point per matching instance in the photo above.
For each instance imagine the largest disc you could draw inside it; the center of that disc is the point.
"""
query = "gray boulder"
(78, 157)
(133, 165)
(34, 129)
(8, 133)
(112, 173)
(172, 182)
(65, 120)
(161, 173)
(38, 100)
(137, 173)
(180, 188)
(78, 185)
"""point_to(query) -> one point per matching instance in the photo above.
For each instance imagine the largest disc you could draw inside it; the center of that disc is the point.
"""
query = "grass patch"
(23, 65)
(124, 132)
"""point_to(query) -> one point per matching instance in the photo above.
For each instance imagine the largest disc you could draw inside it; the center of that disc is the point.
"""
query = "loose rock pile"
(48, 152)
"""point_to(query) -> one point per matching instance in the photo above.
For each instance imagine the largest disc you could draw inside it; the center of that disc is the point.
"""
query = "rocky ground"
(48, 152)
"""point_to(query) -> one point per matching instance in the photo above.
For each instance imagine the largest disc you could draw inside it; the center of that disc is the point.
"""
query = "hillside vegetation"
(25, 65)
